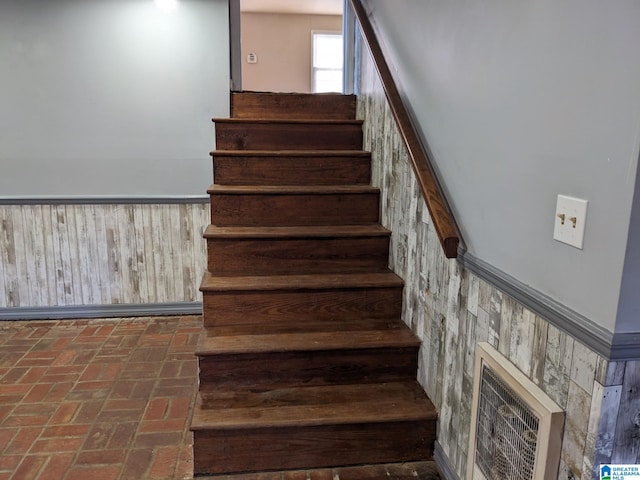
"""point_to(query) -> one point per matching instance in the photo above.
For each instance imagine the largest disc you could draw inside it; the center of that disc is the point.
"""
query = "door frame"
(349, 41)
(235, 46)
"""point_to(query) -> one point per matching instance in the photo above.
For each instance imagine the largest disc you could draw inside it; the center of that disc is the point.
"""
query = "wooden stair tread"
(291, 189)
(308, 326)
(312, 231)
(289, 342)
(211, 283)
(265, 341)
(291, 153)
(312, 406)
(285, 121)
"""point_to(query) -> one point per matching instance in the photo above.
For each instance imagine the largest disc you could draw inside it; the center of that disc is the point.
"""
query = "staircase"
(304, 362)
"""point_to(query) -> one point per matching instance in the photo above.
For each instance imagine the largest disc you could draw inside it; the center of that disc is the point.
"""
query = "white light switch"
(252, 58)
(571, 215)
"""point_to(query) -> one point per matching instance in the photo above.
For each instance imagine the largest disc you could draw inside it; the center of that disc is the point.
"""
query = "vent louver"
(516, 428)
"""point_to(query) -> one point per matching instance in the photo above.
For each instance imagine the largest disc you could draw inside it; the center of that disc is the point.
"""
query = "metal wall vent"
(516, 428)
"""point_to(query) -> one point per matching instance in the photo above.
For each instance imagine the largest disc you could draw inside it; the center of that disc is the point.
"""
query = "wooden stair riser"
(247, 135)
(300, 255)
(292, 105)
(247, 450)
(290, 369)
(291, 170)
(252, 307)
(294, 209)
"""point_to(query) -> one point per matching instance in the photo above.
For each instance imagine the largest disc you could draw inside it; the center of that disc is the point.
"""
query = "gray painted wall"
(110, 97)
(521, 101)
(628, 319)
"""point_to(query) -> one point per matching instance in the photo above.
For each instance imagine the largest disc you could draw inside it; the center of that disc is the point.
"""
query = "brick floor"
(97, 399)
(110, 399)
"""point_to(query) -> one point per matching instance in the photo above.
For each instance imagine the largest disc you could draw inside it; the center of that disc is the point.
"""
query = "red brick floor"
(97, 399)
(110, 399)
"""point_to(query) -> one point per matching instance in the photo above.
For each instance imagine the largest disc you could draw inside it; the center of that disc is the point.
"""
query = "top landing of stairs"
(293, 106)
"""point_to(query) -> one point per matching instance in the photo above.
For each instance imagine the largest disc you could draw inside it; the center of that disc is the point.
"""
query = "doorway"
(272, 44)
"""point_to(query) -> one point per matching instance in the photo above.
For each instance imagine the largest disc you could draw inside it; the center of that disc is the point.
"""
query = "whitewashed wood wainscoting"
(452, 309)
(93, 257)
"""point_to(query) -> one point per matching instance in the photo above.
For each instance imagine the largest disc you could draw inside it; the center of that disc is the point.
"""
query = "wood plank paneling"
(592, 432)
(609, 412)
(575, 427)
(11, 295)
(626, 444)
(55, 255)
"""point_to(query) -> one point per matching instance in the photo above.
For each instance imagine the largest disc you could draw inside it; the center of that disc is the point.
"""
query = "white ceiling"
(317, 7)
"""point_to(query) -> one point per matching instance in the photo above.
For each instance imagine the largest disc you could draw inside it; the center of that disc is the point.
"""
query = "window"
(327, 62)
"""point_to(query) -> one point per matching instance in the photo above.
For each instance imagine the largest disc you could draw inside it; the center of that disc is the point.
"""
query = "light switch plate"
(570, 220)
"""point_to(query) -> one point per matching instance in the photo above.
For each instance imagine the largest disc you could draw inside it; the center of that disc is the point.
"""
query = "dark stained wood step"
(311, 427)
(268, 358)
(291, 189)
(300, 298)
(310, 249)
(305, 406)
(250, 134)
(291, 167)
(305, 231)
(266, 370)
(292, 105)
(212, 344)
(212, 283)
(309, 326)
(288, 206)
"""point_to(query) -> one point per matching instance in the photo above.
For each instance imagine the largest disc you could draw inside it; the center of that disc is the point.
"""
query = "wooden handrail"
(443, 220)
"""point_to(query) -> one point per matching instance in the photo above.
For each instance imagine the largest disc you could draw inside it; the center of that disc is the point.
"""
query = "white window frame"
(313, 67)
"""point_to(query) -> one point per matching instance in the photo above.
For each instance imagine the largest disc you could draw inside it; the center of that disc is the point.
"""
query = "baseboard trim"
(618, 347)
(100, 311)
(103, 200)
(443, 462)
